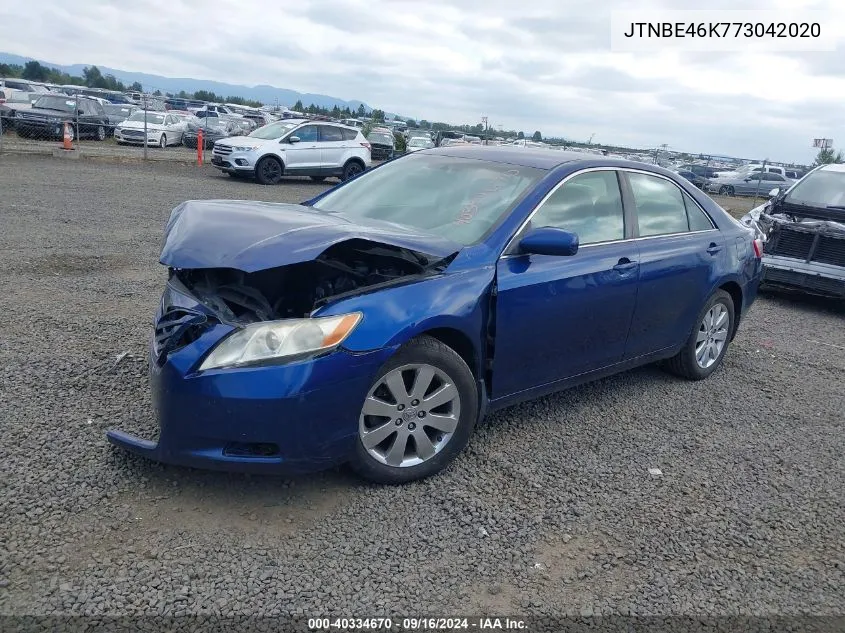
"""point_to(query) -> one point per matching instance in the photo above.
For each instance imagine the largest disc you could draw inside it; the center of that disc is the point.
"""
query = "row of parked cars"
(747, 180)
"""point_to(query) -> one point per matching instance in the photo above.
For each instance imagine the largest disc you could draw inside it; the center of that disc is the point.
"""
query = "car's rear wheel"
(708, 342)
(418, 415)
(101, 133)
(269, 171)
(352, 169)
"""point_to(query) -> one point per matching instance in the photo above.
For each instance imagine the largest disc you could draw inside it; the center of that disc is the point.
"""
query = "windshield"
(56, 103)
(274, 130)
(822, 188)
(117, 109)
(457, 198)
(157, 119)
(375, 137)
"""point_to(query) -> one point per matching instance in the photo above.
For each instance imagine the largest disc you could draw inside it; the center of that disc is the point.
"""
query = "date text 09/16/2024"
(417, 624)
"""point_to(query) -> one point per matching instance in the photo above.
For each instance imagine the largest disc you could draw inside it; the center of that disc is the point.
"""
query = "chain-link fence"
(128, 126)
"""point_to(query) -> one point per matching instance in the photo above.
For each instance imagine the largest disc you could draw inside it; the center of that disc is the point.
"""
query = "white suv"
(294, 147)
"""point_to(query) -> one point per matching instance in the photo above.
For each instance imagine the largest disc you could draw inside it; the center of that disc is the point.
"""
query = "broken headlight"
(261, 342)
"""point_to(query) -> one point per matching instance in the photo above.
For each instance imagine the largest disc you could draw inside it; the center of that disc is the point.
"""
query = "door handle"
(713, 248)
(624, 265)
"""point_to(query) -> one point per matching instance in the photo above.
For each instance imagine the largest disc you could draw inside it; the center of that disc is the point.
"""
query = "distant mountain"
(265, 94)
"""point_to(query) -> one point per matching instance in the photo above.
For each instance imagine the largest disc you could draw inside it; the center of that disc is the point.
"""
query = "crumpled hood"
(252, 236)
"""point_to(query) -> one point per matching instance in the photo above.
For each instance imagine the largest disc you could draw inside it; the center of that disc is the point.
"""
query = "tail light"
(368, 146)
(758, 248)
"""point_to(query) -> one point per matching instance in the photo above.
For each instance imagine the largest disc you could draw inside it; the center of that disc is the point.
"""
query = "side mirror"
(774, 192)
(293, 139)
(549, 241)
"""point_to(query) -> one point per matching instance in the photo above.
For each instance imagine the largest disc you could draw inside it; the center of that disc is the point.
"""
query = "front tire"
(269, 171)
(418, 415)
(162, 142)
(705, 349)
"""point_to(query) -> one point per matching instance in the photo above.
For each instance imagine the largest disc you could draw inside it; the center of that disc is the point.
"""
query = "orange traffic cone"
(66, 144)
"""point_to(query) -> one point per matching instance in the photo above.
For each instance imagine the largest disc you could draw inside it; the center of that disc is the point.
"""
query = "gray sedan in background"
(749, 184)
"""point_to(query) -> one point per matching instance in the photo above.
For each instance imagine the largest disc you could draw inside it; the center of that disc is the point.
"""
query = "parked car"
(162, 129)
(417, 143)
(47, 116)
(377, 322)
(746, 185)
(294, 147)
(117, 113)
(803, 230)
(213, 129)
(382, 144)
(23, 85)
(700, 170)
(699, 181)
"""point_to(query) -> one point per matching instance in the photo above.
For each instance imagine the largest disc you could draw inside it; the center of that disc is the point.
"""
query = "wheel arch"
(735, 291)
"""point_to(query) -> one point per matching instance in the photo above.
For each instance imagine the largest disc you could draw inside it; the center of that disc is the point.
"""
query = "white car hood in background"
(139, 125)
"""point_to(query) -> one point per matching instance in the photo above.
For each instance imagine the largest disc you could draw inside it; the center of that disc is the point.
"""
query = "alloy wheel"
(409, 415)
(712, 335)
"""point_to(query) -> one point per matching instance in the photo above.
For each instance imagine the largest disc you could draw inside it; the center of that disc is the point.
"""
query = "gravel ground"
(551, 509)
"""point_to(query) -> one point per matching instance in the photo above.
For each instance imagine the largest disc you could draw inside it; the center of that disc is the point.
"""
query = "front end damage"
(803, 250)
(290, 415)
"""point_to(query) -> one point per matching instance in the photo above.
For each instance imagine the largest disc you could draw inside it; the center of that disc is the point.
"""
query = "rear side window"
(349, 135)
(660, 205)
(698, 220)
(330, 134)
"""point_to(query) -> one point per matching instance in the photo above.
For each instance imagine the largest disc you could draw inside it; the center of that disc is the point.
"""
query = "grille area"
(176, 328)
(791, 243)
(830, 250)
(222, 150)
(135, 133)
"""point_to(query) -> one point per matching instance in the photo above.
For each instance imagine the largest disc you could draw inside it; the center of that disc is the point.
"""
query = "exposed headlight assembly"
(273, 340)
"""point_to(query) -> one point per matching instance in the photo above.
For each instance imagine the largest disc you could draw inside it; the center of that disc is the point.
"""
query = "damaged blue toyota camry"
(378, 322)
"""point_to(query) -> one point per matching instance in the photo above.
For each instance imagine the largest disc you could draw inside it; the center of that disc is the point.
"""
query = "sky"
(544, 65)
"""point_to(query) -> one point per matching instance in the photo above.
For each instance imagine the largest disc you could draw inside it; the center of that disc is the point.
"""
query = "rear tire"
(101, 133)
(269, 171)
(351, 169)
(431, 435)
(701, 354)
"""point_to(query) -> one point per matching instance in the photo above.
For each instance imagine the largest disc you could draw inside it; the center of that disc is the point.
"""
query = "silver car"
(749, 184)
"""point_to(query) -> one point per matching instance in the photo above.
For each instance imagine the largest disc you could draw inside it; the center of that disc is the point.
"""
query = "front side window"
(307, 134)
(589, 205)
(660, 205)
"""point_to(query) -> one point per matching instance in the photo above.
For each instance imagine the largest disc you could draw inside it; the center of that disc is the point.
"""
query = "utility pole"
(590, 142)
(484, 123)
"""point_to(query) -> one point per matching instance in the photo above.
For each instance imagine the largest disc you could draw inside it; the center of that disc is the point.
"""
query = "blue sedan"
(377, 323)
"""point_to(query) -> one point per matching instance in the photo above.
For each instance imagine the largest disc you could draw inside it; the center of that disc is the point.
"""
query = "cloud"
(541, 65)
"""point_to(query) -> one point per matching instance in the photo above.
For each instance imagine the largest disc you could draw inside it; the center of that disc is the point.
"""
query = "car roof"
(832, 167)
(540, 158)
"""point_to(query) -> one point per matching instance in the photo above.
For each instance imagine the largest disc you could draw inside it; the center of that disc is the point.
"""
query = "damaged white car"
(803, 230)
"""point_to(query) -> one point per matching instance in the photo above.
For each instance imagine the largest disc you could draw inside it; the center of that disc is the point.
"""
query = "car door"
(303, 155)
(754, 183)
(332, 148)
(680, 252)
(558, 317)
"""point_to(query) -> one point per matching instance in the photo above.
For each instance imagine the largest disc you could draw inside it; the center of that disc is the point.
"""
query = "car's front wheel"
(706, 346)
(726, 191)
(162, 142)
(269, 171)
(418, 415)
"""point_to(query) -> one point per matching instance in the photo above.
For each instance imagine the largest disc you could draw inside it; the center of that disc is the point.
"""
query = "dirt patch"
(71, 264)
